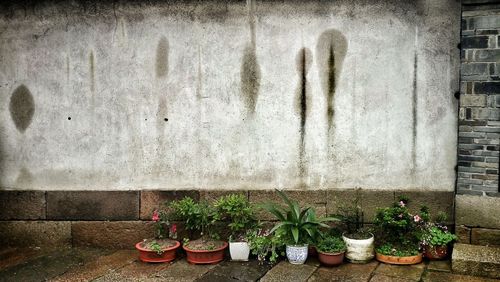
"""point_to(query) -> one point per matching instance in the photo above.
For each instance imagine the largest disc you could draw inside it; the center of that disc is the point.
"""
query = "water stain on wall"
(162, 57)
(92, 71)
(25, 177)
(22, 107)
(331, 50)
(414, 115)
(302, 101)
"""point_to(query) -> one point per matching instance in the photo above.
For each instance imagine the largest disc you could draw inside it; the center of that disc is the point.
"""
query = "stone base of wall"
(119, 219)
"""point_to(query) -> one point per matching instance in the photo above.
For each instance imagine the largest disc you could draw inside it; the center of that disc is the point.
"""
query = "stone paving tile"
(431, 276)
(345, 272)
(135, 271)
(14, 256)
(384, 278)
(98, 266)
(182, 271)
(286, 272)
(236, 271)
(49, 266)
(412, 272)
(439, 265)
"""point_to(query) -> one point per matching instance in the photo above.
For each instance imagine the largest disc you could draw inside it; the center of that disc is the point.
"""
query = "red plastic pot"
(330, 259)
(399, 260)
(205, 256)
(436, 252)
(168, 254)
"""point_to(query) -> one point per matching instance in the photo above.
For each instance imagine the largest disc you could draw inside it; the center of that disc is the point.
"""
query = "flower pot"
(359, 250)
(399, 260)
(239, 251)
(312, 252)
(330, 259)
(205, 256)
(147, 255)
(296, 254)
(436, 252)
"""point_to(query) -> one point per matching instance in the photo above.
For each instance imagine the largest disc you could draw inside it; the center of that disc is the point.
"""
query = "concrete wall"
(229, 95)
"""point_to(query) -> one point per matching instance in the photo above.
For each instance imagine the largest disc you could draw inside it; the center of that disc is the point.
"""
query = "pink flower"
(400, 215)
(416, 218)
(156, 216)
(401, 203)
(173, 228)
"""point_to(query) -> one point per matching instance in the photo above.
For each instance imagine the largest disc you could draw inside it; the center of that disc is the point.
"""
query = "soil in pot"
(157, 250)
(330, 259)
(436, 252)
(204, 251)
(406, 260)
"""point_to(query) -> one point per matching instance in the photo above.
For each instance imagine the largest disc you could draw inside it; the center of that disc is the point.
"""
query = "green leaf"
(295, 234)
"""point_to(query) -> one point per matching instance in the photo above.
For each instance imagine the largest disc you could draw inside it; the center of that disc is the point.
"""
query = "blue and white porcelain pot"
(296, 254)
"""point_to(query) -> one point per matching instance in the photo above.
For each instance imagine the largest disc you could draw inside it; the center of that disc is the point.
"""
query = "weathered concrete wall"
(229, 95)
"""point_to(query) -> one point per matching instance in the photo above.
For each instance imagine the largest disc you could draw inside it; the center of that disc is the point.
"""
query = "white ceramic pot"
(296, 254)
(239, 251)
(359, 251)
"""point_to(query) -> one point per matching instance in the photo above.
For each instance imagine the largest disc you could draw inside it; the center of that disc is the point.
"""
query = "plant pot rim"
(177, 245)
(331, 254)
(298, 246)
(396, 260)
(206, 251)
(344, 234)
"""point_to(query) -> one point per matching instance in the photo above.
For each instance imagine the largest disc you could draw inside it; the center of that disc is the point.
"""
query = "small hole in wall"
(165, 119)
(69, 118)
(145, 119)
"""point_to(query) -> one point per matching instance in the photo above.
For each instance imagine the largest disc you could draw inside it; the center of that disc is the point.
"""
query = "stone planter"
(296, 254)
(359, 250)
(239, 251)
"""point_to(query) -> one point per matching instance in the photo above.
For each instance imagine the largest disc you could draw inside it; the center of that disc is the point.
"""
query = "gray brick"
(490, 141)
(472, 134)
(472, 181)
(484, 22)
(485, 165)
(480, 113)
(486, 129)
(473, 71)
(485, 188)
(472, 169)
(470, 147)
(492, 56)
(474, 42)
(470, 192)
(487, 87)
(473, 100)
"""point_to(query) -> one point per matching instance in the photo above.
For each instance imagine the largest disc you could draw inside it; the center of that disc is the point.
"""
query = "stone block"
(152, 200)
(439, 265)
(411, 272)
(473, 100)
(371, 200)
(463, 234)
(434, 276)
(474, 42)
(338, 199)
(110, 234)
(236, 271)
(477, 211)
(284, 271)
(22, 205)
(305, 198)
(93, 205)
(488, 55)
(181, 270)
(484, 22)
(345, 272)
(35, 233)
(436, 201)
(212, 196)
(484, 236)
(476, 260)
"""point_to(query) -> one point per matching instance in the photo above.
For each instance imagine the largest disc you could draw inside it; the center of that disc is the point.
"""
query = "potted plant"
(199, 217)
(265, 245)
(297, 226)
(331, 250)
(398, 232)
(161, 248)
(359, 240)
(436, 238)
(237, 211)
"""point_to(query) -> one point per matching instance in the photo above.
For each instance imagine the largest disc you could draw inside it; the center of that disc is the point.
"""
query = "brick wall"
(479, 125)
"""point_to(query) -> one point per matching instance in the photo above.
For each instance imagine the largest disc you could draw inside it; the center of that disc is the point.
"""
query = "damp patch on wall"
(22, 107)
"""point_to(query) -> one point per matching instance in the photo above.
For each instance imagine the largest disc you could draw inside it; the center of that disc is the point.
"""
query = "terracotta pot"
(312, 252)
(359, 250)
(399, 260)
(205, 256)
(436, 252)
(330, 259)
(151, 256)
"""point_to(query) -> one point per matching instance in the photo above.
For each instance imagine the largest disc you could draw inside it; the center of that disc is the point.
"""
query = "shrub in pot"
(267, 246)
(359, 240)
(436, 238)
(297, 226)
(236, 210)
(161, 248)
(331, 250)
(201, 217)
(397, 234)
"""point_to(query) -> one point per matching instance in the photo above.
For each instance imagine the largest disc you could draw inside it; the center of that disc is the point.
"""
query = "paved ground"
(82, 264)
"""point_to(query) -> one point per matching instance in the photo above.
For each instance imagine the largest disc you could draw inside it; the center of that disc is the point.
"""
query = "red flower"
(173, 229)
(156, 216)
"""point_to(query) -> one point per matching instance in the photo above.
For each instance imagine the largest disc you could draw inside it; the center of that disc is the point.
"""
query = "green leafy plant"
(331, 244)
(154, 246)
(299, 226)
(237, 210)
(436, 236)
(265, 245)
(398, 250)
(197, 216)
(162, 224)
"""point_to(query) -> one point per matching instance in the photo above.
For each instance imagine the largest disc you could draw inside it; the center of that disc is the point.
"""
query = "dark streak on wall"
(414, 115)
(331, 49)
(22, 107)
(302, 104)
(92, 71)
(162, 57)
